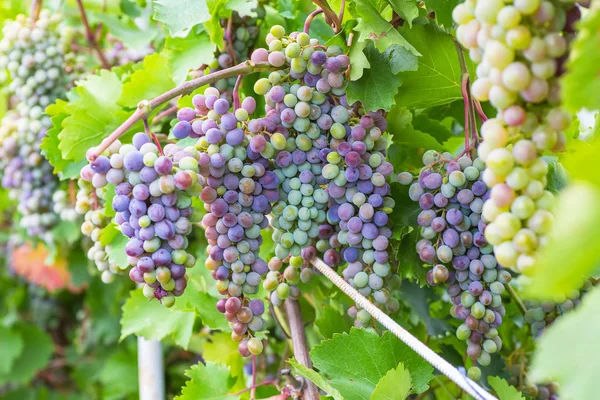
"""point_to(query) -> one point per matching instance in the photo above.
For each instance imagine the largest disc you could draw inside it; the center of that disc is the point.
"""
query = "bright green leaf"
(503, 390)
(406, 9)
(152, 80)
(180, 15)
(152, 320)
(188, 53)
(563, 264)
(204, 305)
(332, 321)
(35, 355)
(207, 382)
(580, 84)
(244, 8)
(222, 350)
(377, 86)
(401, 59)
(566, 352)
(358, 60)
(315, 378)
(437, 80)
(11, 345)
(116, 251)
(395, 385)
(127, 31)
(443, 10)
(120, 375)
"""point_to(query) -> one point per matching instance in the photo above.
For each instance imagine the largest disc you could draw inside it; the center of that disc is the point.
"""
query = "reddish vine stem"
(145, 107)
(255, 385)
(330, 16)
(90, 36)
(310, 18)
(164, 113)
(299, 344)
(480, 111)
(466, 102)
(236, 92)
(341, 14)
(152, 136)
(36, 8)
(229, 39)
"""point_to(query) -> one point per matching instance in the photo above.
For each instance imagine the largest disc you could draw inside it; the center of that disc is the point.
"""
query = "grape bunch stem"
(145, 107)
(91, 38)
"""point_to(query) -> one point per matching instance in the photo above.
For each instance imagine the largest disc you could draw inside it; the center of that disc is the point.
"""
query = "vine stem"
(164, 113)
(236, 93)
(516, 298)
(91, 38)
(464, 89)
(480, 111)
(36, 8)
(421, 349)
(310, 18)
(145, 107)
(330, 15)
(299, 344)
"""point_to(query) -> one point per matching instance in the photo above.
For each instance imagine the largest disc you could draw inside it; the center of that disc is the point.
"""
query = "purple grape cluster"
(239, 190)
(153, 198)
(305, 103)
(451, 195)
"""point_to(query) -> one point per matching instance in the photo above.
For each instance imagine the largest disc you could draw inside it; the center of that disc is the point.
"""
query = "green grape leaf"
(286, 9)
(443, 10)
(358, 60)
(116, 251)
(395, 385)
(93, 114)
(207, 382)
(180, 16)
(105, 312)
(377, 86)
(152, 80)
(109, 233)
(332, 321)
(557, 177)
(581, 82)
(195, 299)
(503, 390)
(49, 146)
(420, 300)
(401, 59)
(356, 361)
(373, 26)
(222, 350)
(424, 123)
(126, 30)
(245, 8)
(315, 378)
(406, 9)
(437, 80)
(11, 345)
(119, 375)
(565, 352)
(217, 11)
(576, 216)
(185, 54)
(33, 357)
(152, 320)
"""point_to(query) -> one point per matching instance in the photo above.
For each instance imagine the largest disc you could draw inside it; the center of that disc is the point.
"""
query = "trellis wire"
(421, 349)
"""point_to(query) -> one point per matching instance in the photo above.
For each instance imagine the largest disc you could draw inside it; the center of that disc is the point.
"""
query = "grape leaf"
(286, 9)
(406, 9)
(576, 215)
(188, 53)
(395, 385)
(503, 390)
(443, 10)
(356, 361)
(332, 321)
(437, 80)
(565, 352)
(180, 15)
(34, 356)
(152, 80)
(116, 251)
(194, 299)
(423, 123)
(581, 82)
(126, 30)
(11, 344)
(358, 60)
(152, 320)
(217, 11)
(419, 300)
(222, 350)
(315, 378)
(377, 86)
(119, 375)
(373, 26)
(245, 8)
(49, 146)
(401, 59)
(210, 381)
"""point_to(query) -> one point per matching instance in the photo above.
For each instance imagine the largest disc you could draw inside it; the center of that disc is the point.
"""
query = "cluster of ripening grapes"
(90, 203)
(237, 48)
(518, 378)
(33, 56)
(519, 47)
(240, 187)
(153, 197)
(451, 196)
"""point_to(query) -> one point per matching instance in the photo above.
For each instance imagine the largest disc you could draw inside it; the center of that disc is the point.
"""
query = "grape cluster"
(90, 203)
(121, 55)
(153, 197)
(239, 190)
(303, 108)
(451, 196)
(32, 54)
(519, 48)
(518, 378)
(360, 204)
(62, 206)
(243, 32)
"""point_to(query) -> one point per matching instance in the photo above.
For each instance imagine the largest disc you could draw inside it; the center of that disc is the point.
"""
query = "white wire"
(421, 349)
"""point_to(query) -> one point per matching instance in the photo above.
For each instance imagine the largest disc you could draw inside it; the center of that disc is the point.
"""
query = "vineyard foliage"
(438, 154)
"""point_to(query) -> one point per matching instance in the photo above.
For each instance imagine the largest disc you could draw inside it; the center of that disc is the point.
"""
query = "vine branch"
(310, 18)
(36, 8)
(330, 15)
(91, 38)
(300, 347)
(145, 107)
